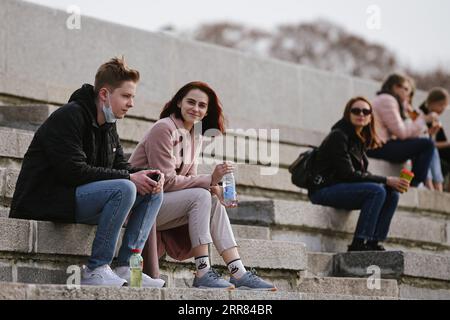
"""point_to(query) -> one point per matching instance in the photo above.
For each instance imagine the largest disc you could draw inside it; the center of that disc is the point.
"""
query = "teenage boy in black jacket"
(75, 172)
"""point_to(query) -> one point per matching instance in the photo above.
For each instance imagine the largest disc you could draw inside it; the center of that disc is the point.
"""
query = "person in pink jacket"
(401, 137)
(192, 214)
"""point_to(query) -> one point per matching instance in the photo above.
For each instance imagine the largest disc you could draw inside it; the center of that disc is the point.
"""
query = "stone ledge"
(25, 116)
(347, 286)
(249, 176)
(74, 239)
(301, 214)
(17, 291)
(393, 265)
(132, 131)
(15, 142)
(292, 213)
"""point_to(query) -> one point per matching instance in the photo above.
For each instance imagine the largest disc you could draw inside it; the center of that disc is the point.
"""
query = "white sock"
(202, 265)
(236, 268)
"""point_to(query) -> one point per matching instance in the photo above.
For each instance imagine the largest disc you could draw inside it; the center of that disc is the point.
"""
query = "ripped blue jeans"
(107, 204)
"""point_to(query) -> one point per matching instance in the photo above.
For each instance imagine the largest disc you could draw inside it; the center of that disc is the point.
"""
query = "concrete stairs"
(38, 253)
(329, 230)
(419, 275)
(285, 238)
(19, 291)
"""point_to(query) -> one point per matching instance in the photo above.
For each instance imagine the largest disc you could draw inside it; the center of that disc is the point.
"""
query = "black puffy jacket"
(70, 149)
(341, 158)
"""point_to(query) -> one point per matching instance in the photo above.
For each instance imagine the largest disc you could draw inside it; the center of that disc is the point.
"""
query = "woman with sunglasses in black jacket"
(341, 179)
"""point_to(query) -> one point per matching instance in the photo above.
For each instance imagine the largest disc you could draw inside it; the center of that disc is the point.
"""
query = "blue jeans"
(435, 172)
(107, 204)
(376, 201)
(419, 150)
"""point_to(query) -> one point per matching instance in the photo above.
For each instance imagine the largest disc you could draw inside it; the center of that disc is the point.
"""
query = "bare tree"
(320, 44)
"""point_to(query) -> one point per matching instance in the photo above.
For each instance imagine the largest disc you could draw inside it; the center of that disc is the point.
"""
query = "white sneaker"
(101, 276)
(148, 282)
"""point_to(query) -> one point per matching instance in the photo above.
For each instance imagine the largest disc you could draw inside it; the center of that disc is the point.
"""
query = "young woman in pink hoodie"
(193, 213)
(400, 138)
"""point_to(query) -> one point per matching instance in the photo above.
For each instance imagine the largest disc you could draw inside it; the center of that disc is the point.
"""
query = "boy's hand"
(160, 185)
(144, 184)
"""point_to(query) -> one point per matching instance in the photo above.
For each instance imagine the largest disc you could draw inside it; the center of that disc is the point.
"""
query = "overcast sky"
(416, 30)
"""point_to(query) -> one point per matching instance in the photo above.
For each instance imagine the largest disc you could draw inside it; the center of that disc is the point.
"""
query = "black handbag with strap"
(302, 168)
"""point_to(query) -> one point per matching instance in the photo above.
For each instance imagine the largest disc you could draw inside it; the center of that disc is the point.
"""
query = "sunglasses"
(358, 111)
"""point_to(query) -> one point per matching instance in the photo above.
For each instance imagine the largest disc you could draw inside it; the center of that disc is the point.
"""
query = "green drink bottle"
(406, 173)
(136, 265)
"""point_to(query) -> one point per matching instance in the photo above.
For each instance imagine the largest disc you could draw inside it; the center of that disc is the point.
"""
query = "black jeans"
(419, 150)
(377, 202)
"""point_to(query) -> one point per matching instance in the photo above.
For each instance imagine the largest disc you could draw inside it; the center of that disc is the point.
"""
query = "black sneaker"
(375, 247)
(354, 247)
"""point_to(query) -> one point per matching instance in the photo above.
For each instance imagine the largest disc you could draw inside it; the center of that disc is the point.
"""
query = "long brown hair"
(388, 87)
(214, 118)
(368, 134)
(392, 81)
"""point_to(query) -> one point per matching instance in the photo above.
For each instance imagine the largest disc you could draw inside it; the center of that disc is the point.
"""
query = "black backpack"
(302, 168)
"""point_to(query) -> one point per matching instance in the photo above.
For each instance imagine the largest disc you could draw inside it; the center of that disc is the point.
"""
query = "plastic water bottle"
(229, 190)
(136, 266)
(408, 165)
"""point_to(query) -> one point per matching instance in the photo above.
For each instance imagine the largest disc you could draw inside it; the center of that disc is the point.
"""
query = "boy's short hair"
(113, 73)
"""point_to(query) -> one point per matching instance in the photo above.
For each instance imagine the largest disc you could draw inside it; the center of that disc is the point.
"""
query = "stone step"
(287, 218)
(251, 177)
(348, 286)
(21, 115)
(179, 276)
(417, 208)
(4, 212)
(57, 269)
(14, 142)
(320, 264)
(40, 252)
(53, 269)
(39, 237)
(298, 220)
(18, 291)
(248, 178)
(25, 116)
(420, 276)
(240, 231)
(250, 232)
(132, 129)
(249, 150)
(26, 258)
(393, 265)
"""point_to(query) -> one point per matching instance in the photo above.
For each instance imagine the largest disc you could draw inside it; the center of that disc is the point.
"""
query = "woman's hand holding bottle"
(219, 171)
